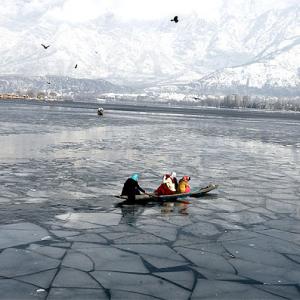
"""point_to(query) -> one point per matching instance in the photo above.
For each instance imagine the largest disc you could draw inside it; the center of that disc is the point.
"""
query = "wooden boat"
(198, 192)
(100, 111)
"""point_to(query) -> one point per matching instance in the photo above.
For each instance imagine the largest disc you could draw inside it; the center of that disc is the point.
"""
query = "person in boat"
(184, 185)
(171, 181)
(100, 111)
(131, 188)
(168, 186)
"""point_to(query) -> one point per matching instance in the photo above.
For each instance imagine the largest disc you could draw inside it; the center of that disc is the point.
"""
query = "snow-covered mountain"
(58, 84)
(246, 46)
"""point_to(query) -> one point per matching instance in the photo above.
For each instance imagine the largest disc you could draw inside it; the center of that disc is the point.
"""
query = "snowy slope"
(245, 46)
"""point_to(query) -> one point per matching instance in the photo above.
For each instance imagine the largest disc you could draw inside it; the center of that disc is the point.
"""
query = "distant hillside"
(245, 47)
(59, 85)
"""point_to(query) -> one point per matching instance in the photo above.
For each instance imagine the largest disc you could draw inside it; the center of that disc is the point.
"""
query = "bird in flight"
(45, 47)
(75, 66)
(48, 82)
(175, 19)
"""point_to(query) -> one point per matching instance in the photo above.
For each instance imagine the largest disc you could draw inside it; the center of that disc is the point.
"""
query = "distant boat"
(100, 111)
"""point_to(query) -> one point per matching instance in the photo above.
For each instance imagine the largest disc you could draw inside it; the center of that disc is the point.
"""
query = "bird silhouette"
(48, 82)
(175, 19)
(45, 47)
(75, 66)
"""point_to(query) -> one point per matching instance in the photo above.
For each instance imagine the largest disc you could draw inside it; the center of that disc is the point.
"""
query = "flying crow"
(175, 19)
(45, 47)
(75, 66)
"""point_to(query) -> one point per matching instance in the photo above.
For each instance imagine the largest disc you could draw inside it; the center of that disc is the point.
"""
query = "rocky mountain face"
(245, 48)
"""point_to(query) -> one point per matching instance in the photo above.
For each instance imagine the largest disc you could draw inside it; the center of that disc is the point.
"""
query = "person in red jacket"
(168, 185)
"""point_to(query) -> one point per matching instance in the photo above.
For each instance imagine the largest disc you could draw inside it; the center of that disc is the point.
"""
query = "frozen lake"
(61, 166)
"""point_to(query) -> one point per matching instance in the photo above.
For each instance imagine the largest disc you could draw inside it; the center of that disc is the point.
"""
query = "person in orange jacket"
(184, 185)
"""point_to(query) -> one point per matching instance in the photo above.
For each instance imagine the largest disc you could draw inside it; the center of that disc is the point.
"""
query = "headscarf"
(135, 176)
(173, 174)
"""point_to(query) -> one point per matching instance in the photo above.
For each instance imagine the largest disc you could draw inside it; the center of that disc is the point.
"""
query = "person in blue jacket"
(131, 187)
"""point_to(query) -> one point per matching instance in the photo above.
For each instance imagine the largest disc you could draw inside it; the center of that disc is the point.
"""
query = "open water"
(61, 165)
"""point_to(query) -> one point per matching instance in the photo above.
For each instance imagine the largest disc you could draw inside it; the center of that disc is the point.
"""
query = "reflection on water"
(175, 207)
(24, 146)
(131, 212)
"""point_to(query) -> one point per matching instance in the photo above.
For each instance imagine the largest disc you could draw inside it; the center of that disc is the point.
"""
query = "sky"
(137, 9)
(80, 11)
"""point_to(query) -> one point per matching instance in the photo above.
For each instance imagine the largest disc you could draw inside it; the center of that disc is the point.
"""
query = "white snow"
(249, 42)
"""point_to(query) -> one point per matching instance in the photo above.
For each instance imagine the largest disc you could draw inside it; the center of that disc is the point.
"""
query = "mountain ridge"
(243, 47)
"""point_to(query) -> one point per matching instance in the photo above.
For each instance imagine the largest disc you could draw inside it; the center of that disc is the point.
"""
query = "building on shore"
(13, 96)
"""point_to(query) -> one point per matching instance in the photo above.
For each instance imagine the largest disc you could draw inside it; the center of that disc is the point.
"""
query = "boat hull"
(153, 197)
